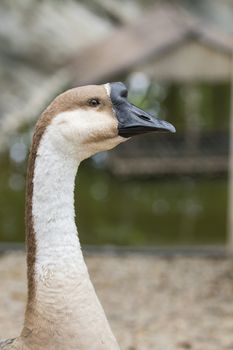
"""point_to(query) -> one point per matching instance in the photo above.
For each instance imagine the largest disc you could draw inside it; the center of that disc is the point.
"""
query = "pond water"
(110, 210)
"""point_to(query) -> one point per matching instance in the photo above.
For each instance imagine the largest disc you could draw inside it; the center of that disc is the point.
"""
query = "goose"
(63, 310)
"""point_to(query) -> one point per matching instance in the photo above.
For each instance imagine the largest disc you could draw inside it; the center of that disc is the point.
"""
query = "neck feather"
(53, 248)
(63, 309)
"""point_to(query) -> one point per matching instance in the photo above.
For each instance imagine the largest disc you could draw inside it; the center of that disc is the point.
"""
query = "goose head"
(94, 118)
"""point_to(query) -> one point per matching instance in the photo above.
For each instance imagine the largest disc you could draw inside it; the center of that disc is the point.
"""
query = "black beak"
(131, 119)
(134, 121)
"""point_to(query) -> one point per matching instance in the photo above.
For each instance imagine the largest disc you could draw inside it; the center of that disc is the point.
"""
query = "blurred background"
(176, 59)
(160, 207)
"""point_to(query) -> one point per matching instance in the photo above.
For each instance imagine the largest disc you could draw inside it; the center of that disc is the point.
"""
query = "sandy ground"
(152, 303)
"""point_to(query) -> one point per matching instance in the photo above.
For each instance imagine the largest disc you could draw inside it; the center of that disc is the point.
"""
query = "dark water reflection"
(131, 211)
(155, 211)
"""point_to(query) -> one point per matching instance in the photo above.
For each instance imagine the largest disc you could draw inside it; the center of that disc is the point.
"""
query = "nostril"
(144, 117)
(124, 93)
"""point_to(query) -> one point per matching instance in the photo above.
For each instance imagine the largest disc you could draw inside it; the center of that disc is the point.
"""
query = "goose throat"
(54, 254)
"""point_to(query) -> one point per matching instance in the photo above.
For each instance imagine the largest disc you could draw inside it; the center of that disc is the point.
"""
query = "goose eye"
(94, 102)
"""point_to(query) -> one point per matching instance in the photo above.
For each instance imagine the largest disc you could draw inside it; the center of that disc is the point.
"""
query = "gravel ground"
(151, 302)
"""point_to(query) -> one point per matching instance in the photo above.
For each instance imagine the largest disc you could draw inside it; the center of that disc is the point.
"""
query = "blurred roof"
(153, 37)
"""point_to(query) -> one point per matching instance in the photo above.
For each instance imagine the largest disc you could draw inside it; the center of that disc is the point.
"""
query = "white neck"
(66, 308)
(53, 208)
